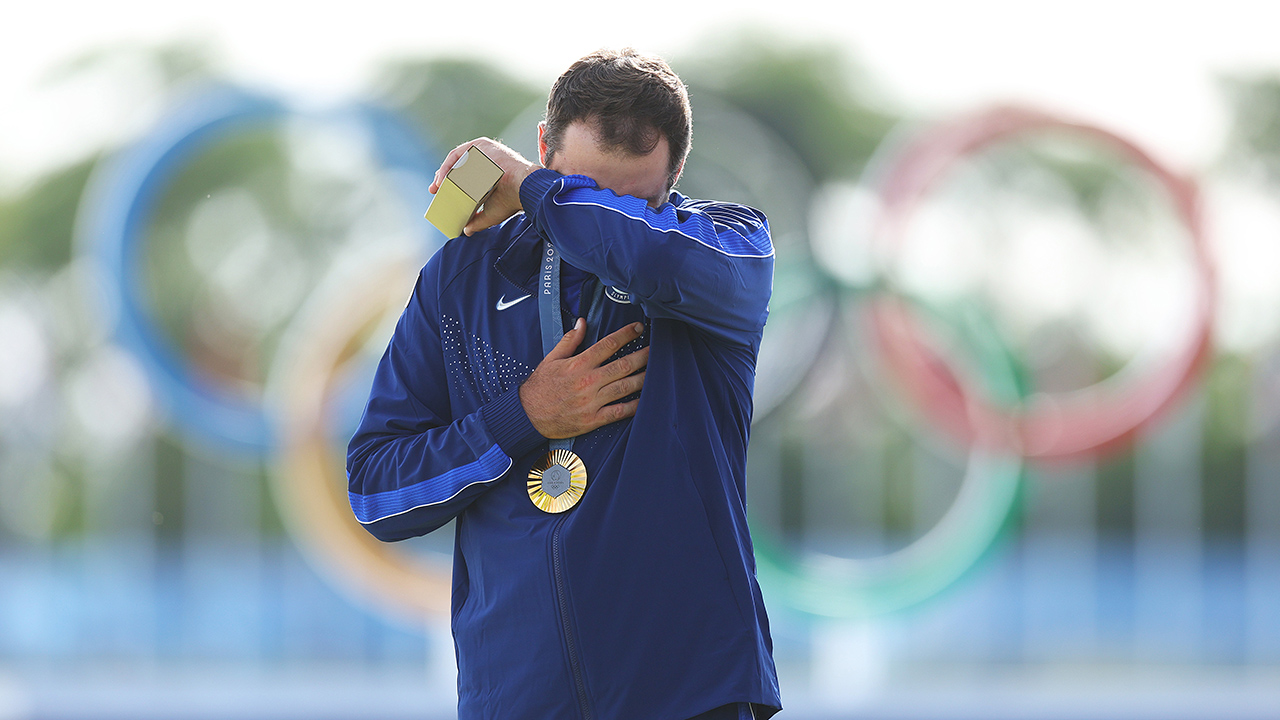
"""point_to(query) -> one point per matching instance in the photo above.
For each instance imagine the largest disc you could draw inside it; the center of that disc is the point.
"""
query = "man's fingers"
(494, 210)
(625, 365)
(614, 413)
(569, 342)
(452, 158)
(611, 343)
(487, 216)
(622, 388)
(478, 222)
(447, 165)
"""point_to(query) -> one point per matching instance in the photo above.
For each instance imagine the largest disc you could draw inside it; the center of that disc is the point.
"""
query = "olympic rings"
(112, 224)
(858, 588)
(1046, 426)
(309, 482)
(999, 423)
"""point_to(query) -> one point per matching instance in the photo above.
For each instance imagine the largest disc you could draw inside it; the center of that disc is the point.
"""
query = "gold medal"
(557, 481)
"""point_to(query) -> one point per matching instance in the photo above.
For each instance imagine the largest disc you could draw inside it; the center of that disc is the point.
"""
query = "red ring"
(1083, 422)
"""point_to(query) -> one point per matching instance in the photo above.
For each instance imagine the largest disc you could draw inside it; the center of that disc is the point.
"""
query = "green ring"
(860, 588)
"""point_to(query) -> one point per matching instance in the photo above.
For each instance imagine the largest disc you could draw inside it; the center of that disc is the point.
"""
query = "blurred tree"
(454, 101)
(1255, 133)
(806, 94)
(1224, 463)
(1091, 172)
(36, 226)
(173, 64)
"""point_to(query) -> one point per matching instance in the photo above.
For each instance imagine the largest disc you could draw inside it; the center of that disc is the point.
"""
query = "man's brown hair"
(630, 99)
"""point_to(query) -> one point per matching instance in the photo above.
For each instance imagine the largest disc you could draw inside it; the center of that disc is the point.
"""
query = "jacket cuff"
(507, 422)
(536, 186)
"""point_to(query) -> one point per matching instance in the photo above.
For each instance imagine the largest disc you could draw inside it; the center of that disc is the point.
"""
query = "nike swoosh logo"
(503, 304)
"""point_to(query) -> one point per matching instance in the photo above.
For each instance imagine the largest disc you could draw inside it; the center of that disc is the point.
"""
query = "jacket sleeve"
(705, 263)
(411, 466)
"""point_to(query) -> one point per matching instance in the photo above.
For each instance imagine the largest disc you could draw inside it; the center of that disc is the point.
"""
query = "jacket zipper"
(563, 601)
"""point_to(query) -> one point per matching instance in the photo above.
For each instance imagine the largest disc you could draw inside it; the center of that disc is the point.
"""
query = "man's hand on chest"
(568, 395)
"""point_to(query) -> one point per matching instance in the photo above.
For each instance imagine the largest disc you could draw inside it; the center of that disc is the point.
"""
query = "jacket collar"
(518, 263)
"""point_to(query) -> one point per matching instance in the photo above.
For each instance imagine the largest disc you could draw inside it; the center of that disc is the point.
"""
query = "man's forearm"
(708, 264)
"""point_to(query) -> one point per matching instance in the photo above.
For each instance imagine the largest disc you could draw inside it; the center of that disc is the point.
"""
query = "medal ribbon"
(549, 313)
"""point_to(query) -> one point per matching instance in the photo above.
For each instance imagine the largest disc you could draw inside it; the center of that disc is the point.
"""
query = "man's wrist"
(523, 173)
(536, 185)
(509, 424)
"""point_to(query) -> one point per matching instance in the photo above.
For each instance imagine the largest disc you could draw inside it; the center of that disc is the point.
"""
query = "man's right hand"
(504, 201)
(568, 395)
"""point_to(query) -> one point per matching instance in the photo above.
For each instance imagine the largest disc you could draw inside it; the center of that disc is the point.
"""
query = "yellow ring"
(309, 481)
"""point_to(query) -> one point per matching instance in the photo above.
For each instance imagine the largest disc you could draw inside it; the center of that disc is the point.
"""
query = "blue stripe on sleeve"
(574, 191)
(432, 491)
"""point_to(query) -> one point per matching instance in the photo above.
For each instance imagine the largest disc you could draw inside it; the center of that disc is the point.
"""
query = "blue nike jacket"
(641, 602)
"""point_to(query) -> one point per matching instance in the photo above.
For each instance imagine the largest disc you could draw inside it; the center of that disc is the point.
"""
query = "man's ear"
(675, 178)
(542, 144)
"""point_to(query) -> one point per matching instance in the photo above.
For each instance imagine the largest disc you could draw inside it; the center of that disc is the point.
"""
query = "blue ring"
(112, 228)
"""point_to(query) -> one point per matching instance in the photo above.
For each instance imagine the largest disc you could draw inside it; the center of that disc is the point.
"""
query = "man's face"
(643, 176)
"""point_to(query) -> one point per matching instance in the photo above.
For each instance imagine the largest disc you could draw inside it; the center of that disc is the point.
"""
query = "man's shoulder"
(739, 230)
(722, 211)
(460, 255)
(684, 202)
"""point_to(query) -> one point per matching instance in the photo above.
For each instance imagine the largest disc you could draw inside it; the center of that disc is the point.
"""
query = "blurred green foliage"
(453, 101)
(1228, 386)
(1255, 131)
(174, 64)
(1094, 179)
(807, 94)
(36, 227)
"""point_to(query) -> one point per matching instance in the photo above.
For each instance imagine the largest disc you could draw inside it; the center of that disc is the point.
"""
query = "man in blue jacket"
(602, 563)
